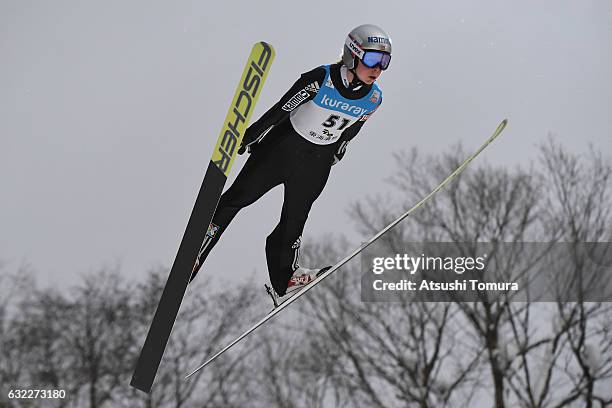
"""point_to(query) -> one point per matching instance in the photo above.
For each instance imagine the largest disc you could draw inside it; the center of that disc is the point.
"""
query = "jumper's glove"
(339, 154)
(250, 139)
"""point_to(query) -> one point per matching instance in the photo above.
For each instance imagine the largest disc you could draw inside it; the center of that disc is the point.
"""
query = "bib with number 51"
(322, 119)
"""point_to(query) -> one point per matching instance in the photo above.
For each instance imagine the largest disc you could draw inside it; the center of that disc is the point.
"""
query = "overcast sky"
(109, 111)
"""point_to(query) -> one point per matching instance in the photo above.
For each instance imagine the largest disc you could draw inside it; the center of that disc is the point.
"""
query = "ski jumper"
(295, 143)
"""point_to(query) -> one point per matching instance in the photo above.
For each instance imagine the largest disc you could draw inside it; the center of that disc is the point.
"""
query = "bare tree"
(77, 343)
(578, 211)
(485, 204)
(86, 341)
(15, 288)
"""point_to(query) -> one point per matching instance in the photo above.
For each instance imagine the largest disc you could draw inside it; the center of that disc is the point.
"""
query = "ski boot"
(300, 279)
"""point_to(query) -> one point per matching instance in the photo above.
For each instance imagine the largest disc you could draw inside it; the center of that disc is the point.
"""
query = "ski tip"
(266, 46)
(501, 127)
(204, 364)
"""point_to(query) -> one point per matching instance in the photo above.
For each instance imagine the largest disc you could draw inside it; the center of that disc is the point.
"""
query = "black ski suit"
(294, 143)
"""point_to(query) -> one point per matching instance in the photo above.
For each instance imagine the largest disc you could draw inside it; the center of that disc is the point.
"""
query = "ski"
(236, 120)
(311, 285)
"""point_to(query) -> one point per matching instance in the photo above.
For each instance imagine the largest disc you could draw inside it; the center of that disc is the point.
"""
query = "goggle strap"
(353, 46)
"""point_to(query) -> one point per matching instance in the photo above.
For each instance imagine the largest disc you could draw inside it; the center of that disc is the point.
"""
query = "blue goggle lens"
(372, 59)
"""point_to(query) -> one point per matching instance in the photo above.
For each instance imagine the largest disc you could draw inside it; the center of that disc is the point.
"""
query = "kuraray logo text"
(334, 103)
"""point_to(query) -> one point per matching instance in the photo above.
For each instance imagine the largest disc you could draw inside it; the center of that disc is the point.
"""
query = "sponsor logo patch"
(375, 97)
(314, 87)
(301, 96)
(295, 100)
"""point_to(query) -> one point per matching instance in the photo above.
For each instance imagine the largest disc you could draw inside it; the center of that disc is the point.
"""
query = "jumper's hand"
(250, 139)
(242, 149)
(339, 154)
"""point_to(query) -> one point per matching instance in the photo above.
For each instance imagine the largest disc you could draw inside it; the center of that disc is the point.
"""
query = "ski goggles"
(373, 59)
(370, 59)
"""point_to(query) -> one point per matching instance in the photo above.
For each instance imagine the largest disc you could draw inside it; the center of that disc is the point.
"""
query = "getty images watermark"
(412, 265)
(450, 271)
